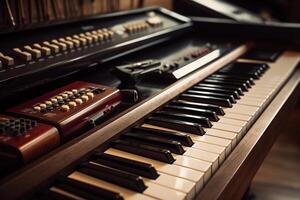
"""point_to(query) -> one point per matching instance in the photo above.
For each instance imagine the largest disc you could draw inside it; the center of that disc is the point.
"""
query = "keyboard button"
(7, 60)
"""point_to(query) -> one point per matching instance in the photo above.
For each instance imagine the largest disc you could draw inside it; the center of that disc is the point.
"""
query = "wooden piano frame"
(229, 182)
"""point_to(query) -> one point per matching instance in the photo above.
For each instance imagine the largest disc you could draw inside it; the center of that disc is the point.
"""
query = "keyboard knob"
(59, 97)
(45, 50)
(70, 44)
(83, 41)
(90, 94)
(72, 104)
(8, 61)
(78, 101)
(53, 100)
(37, 108)
(65, 108)
(85, 98)
(61, 45)
(35, 52)
(54, 48)
(42, 105)
(48, 103)
(64, 95)
(23, 55)
(74, 41)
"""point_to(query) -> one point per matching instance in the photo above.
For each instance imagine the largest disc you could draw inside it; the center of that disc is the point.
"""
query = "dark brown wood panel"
(279, 175)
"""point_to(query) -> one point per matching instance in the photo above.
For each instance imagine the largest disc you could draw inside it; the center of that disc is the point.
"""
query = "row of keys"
(68, 99)
(136, 27)
(178, 148)
(14, 127)
(47, 48)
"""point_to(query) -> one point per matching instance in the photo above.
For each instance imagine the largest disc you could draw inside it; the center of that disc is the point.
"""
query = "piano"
(200, 129)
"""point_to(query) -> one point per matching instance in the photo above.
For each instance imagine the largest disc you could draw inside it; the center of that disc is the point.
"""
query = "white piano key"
(233, 137)
(251, 102)
(175, 183)
(226, 127)
(173, 170)
(237, 116)
(213, 140)
(203, 156)
(236, 122)
(256, 95)
(196, 164)
(242, 109)
(164, 193)
(211, 148)
(257, 98)
(127, 194)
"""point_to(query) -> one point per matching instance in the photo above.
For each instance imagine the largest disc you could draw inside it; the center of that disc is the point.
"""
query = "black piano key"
(144, 138)
(218, 90)
(217, 109)
(226, 83)
(263, 54)
(241, 69)
(212, 94)
(211, 115)
(230, 80)
(236, 89)
(207, 99)
(180, 137)
(204, 121)
(85, 190)
(235, 94)
(124, 164)
(115, 176)
(253, 75)
(260, 66)
(250, 80)
(155, 153)
(178, 125)
(246, 67)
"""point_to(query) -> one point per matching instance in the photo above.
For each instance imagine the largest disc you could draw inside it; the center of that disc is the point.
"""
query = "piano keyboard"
(175, 151)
